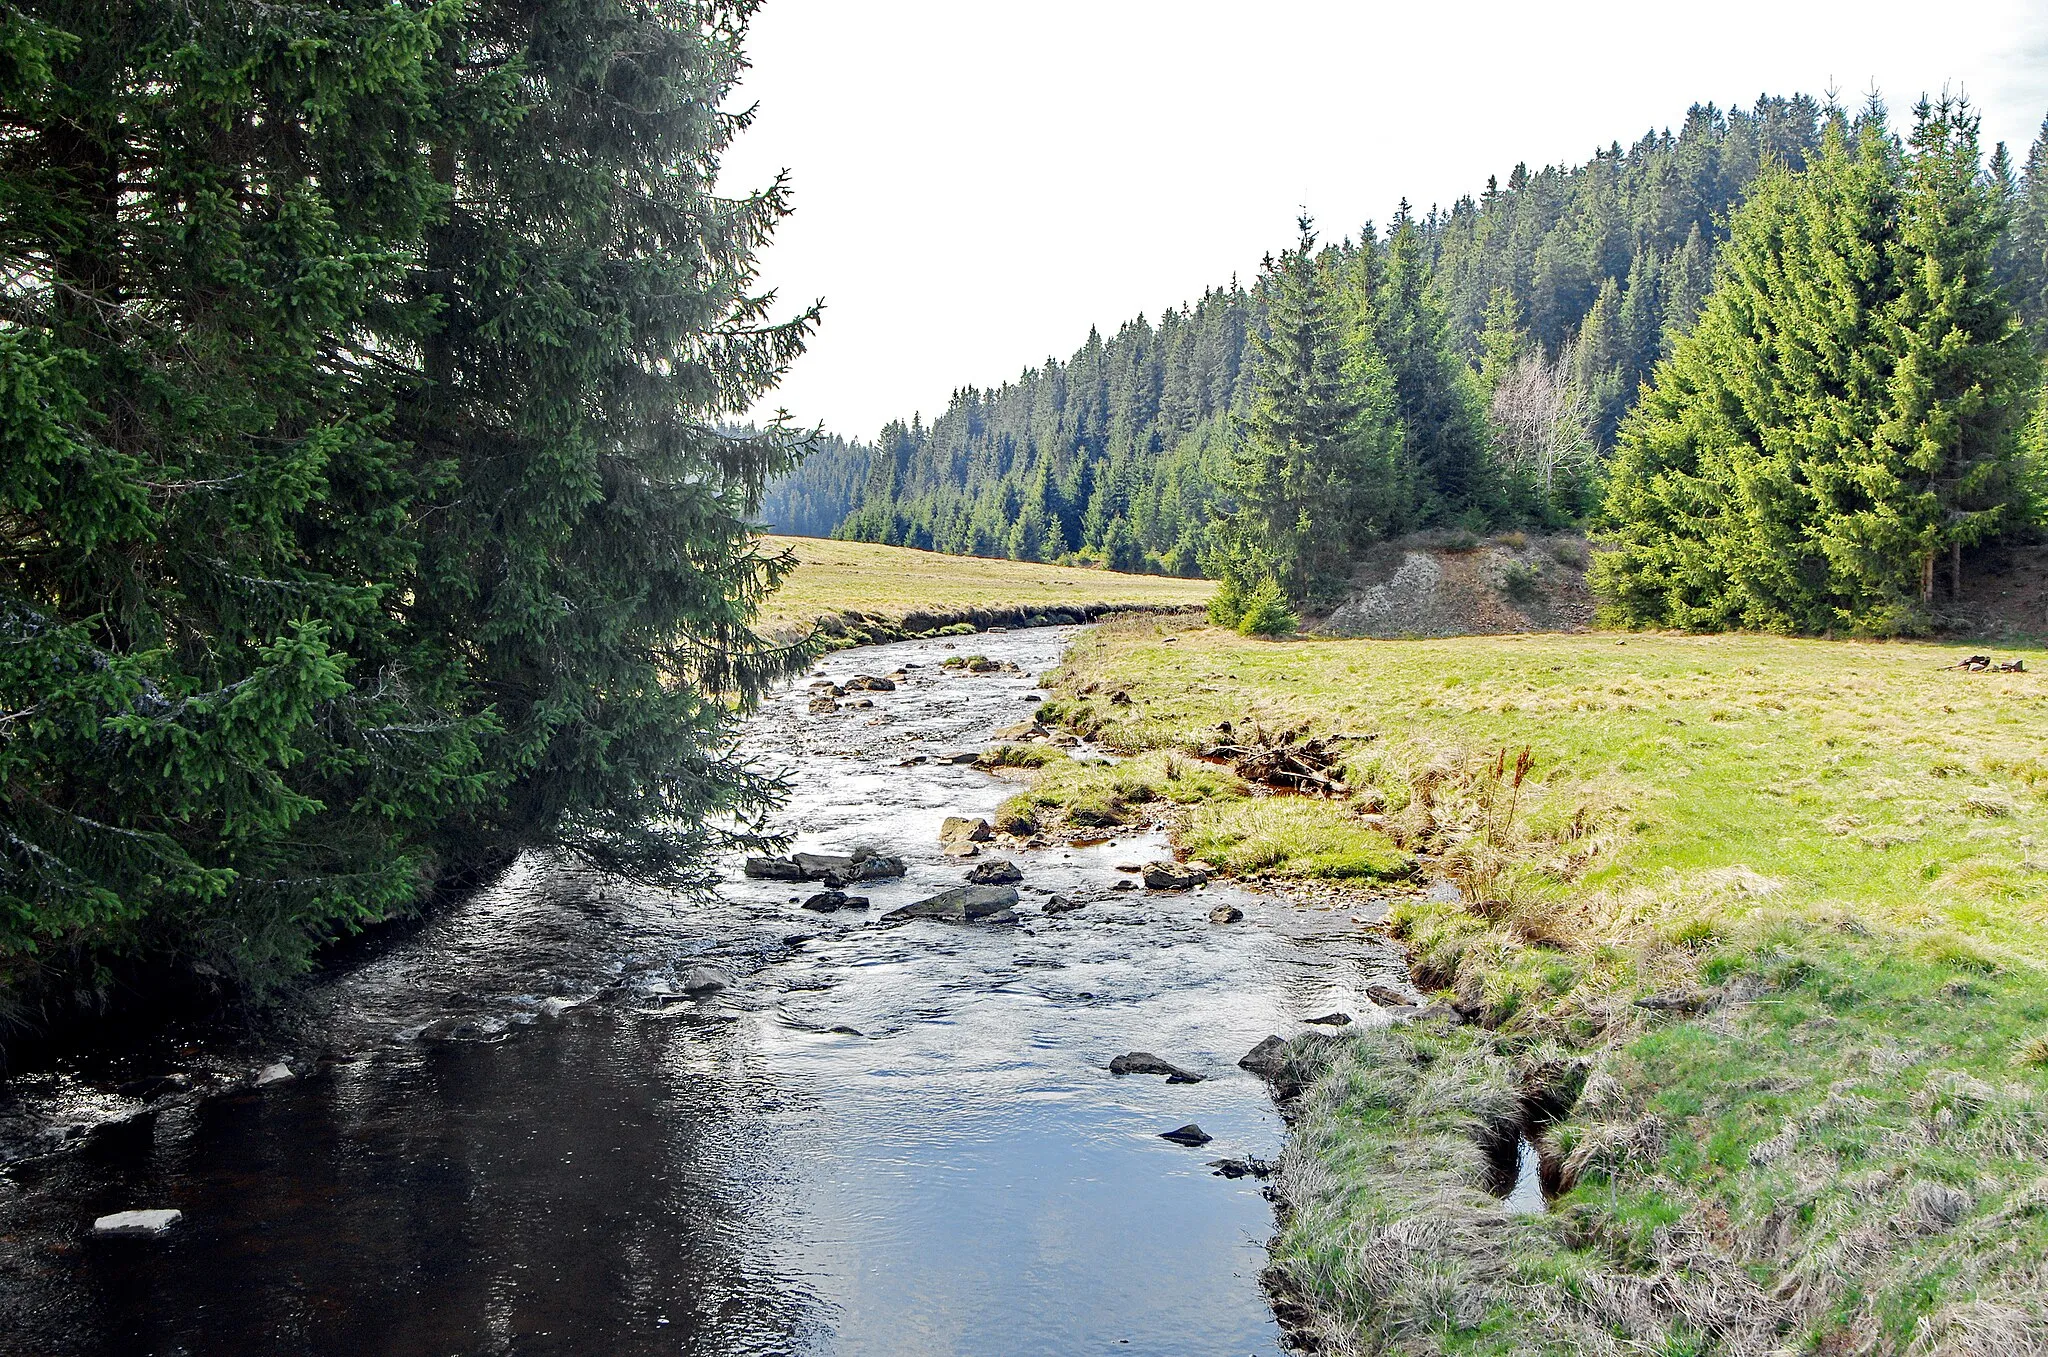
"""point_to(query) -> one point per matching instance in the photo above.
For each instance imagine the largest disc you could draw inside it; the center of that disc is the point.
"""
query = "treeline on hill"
(363, 517)
(1117, 454)
(1475, 368)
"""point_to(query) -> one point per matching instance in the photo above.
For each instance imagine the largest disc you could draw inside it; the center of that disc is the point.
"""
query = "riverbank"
(859, 593)
(1752, 944)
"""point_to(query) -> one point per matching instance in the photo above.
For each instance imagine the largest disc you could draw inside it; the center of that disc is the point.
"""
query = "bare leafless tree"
(1542, 417)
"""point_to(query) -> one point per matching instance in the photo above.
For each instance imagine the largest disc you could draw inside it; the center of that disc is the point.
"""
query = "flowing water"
(509, 1133)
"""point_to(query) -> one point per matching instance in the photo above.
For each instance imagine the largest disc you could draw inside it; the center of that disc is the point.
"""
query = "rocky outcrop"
(1442, 584)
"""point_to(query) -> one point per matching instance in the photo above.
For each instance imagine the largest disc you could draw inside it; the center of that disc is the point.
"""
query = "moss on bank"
(1754, 946)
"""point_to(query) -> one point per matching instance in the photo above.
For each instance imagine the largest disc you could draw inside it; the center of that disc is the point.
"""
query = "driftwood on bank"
(1285, 760)
(1983, 664)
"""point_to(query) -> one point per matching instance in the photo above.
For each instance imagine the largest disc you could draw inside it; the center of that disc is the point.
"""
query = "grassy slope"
(892, 581)
(1837, 852)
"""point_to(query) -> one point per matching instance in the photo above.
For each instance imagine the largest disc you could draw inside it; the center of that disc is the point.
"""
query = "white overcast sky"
(978, 181)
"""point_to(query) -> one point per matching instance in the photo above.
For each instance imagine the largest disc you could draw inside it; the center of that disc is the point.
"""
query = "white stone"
(278, 1073)
(149, 1223)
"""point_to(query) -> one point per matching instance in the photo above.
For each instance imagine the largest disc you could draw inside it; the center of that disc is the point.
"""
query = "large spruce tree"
(361, 513)
(1843, 416)
(1314, 453)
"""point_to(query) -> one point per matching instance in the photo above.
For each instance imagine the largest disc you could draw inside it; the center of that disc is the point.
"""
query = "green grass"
(889, 582)
(1833, 857)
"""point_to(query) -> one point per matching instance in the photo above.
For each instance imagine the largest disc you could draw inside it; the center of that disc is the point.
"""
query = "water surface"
(512, 1135)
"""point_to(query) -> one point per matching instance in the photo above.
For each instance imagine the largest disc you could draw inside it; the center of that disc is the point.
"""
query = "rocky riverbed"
(578, 1115)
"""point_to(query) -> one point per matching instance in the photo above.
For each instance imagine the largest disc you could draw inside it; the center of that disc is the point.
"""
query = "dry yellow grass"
(891, 581)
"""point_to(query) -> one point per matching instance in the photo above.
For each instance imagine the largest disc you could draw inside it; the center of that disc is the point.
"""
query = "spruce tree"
(1302, 468)
(367, 512)
(1442, 429)
(2027, 244)
(1842, 419)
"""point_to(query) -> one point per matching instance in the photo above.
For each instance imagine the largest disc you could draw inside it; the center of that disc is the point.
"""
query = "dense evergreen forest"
(815, 499)
(365, 516)
(1509, 336)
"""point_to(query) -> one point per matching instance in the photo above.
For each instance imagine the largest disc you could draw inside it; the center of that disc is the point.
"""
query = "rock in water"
(146, 1224)
(824, 902)
(774, 869)
(705, 980)
(1060, 904)
(962, 829)
(962, 904)
(1144, 1062)
(1273, 1061)
(1388, 997)
(1172, 876)
(868, 683)
(1190, 1135)
(1242, 1168)
(869, 865)
(995, 872)
(277, 1072)
(1226, 914)
(820, 706)
(1331, 1020)
(1267, 1058)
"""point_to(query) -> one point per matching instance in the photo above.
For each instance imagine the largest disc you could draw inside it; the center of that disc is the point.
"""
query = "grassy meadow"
(1756, 948)
(890, 582)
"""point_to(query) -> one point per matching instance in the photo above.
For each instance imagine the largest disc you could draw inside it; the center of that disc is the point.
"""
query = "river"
(509, 1133)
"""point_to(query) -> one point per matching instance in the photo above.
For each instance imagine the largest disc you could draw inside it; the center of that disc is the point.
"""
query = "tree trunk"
(1927, 578)
(1955, 571)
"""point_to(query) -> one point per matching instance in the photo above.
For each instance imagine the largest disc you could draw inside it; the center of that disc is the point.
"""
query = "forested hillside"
(1520, 322)
(815, 500)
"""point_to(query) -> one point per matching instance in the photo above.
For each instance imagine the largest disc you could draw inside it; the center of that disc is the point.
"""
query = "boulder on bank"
(962, 904)
(995, 872)
(1388, 997)
(1173, 876)
(1144, 1062)
(1023, 730)
(1273, 1061)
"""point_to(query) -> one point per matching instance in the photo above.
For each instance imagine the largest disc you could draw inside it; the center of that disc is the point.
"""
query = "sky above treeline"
(978, 183)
